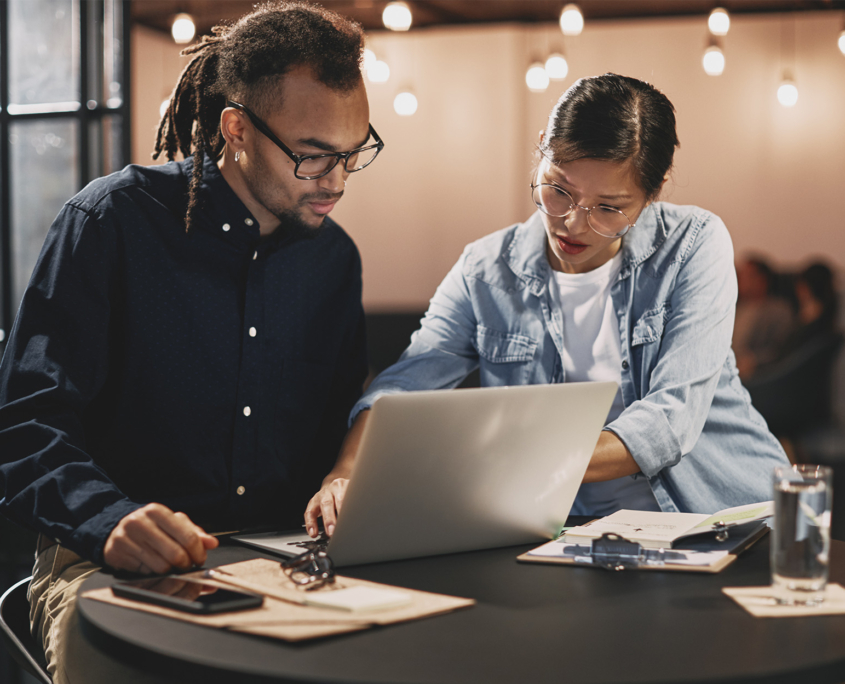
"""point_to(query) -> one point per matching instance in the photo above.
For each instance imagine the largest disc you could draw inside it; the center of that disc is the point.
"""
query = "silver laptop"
(449, 471)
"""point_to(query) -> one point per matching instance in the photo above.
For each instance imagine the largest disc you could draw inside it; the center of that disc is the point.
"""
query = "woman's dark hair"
(243, 62)
(615, 118)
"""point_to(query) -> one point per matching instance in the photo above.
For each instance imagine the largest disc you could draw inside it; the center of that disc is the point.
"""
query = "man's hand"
(325, 503)
(154, 539)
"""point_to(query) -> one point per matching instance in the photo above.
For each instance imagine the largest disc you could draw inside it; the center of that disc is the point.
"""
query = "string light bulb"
(788, 92)
(536, 78)
(369, 58)
(719, 22)
(378, 72)
(557, 67)
(397, 16)
(405, 104)
(183, 28)
(571, 20)
(842, 42)
(713, 61)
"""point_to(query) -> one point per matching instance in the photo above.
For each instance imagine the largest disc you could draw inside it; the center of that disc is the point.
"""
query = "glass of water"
(803, 495)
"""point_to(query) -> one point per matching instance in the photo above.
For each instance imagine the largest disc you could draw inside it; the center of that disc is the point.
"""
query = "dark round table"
(533, 623)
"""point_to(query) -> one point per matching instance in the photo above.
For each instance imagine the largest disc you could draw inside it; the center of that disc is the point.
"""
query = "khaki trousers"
(56, 577)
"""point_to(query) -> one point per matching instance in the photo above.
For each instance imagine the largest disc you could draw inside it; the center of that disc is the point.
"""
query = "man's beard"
(292, 225)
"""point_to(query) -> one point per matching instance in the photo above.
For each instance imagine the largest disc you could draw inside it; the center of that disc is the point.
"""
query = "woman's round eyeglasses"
(313, 166)
(605, 220)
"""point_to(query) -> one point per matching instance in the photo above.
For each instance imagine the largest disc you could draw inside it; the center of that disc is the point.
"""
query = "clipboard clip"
(614, 552)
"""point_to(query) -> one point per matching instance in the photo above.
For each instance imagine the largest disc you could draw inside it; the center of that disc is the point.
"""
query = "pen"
(226, 578)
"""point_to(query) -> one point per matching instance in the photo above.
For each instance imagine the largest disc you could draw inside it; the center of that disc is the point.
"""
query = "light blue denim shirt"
(688, 421)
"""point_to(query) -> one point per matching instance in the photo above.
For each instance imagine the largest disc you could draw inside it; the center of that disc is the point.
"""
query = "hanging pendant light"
(379, 72)
(405, 103)
(719, 22)
(556, 66)
(788, 92)
(536, 78)
(713, 61)
(183, 28)
(397, 16)
(571, 20)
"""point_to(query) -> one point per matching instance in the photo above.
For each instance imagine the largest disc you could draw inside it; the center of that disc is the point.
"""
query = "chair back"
(14, 630)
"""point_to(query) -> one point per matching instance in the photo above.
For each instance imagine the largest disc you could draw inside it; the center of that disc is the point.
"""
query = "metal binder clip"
(721, 530)
(613, 552)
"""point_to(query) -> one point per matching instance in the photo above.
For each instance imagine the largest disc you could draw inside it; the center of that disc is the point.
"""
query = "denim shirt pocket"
(505, 358)
(649, 328)
(645, 346)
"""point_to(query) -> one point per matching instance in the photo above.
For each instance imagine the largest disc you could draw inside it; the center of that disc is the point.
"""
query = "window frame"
(84, 116)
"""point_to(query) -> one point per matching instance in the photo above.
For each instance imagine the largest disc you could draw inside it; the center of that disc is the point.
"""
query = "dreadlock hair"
(245, 62)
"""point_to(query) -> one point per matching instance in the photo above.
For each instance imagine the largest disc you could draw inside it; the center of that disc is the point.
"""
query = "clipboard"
(613, 552)
(285, 614)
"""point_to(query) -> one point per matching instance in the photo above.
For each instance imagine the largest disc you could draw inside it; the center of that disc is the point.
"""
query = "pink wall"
(459, 168)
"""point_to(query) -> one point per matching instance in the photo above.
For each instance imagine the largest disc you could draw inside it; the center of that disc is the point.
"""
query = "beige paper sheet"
(760, 602)
(282, 619)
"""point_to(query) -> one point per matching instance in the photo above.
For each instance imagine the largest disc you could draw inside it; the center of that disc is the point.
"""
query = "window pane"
(43, 177)
(43, 53)
(104, 151)
(113, 53)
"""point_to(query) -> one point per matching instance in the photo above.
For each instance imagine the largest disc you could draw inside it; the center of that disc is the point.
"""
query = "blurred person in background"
(818, 306)
(794, 391)
(763, 318)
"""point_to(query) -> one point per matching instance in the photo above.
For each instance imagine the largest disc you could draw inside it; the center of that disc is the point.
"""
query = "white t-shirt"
(593, 352)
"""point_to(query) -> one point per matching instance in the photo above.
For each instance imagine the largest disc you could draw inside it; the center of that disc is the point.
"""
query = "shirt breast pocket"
(646, 338)
(650, 327)
(505, 358)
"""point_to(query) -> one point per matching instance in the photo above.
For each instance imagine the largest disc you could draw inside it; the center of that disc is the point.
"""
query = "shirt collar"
(526, 254)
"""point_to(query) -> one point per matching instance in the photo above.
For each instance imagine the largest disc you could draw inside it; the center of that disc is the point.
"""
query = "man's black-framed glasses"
(313, 166)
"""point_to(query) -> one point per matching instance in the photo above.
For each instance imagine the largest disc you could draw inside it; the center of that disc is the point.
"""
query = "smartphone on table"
(189, 595)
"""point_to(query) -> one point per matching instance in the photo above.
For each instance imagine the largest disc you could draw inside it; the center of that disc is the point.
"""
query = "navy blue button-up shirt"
(212, 372)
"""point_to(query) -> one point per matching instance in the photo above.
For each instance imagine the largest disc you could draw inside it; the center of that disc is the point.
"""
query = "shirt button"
(255, 256)
(625, 365)
(226, 227)
(253, 332)
(240, 490)
(249, 221)
(247, 410)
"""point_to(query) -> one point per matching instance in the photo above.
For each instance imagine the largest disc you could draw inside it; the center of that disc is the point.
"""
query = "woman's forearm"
(611, 459)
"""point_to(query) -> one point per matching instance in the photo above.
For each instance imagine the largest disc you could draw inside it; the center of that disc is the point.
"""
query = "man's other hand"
(325, 503)
(154, 539)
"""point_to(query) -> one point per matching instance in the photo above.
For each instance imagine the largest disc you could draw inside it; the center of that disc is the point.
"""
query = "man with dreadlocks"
(192, 340)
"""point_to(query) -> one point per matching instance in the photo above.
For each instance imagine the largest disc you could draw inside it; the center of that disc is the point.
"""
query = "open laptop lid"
(457, 470)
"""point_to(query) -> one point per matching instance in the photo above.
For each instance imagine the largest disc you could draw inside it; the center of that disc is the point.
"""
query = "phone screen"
(194, 596)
